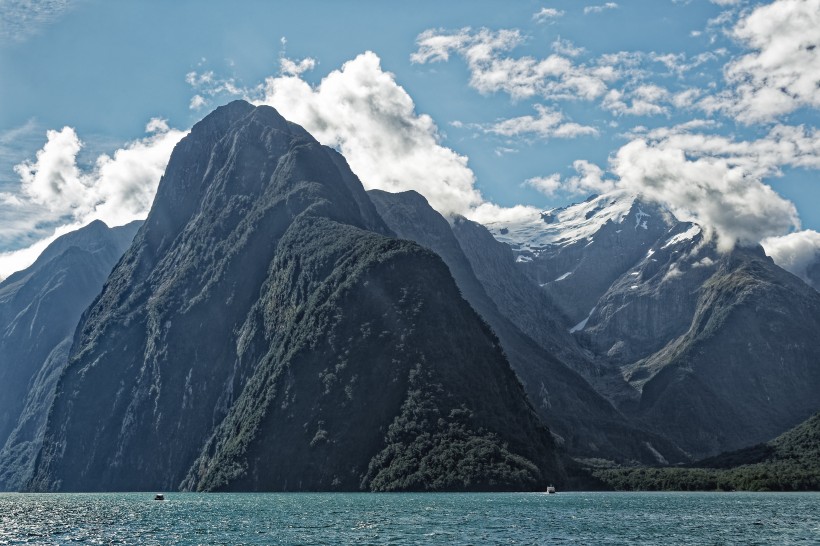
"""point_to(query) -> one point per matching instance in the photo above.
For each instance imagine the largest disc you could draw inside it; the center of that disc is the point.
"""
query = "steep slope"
(586, 422)
(522, 301)
(747, 368)
(653, 302)
(265, 332)
(39, 310)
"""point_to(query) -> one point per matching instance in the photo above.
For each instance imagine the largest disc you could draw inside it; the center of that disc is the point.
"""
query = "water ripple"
(451, 519)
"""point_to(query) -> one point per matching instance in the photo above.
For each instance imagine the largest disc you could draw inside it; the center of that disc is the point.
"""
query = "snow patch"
(687, 235)
(638, 216)
(563, 226)
(655, 453)
(583, 324)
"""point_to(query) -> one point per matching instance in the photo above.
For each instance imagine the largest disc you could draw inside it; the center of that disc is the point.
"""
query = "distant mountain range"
(39, 310)
(272, 326)
(713, 350)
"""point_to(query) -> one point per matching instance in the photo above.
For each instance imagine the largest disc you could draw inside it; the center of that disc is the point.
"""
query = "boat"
(551, 490)
(159, 496)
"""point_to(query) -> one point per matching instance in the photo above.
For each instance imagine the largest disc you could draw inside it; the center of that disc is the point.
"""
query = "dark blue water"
(565, 518)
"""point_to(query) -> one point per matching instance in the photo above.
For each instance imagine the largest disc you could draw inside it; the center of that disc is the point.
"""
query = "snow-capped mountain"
(714, 349)
(575, 253)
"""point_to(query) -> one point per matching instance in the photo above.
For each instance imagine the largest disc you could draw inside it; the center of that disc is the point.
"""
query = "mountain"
(575, 253)
(717, 350)
(39, 310)
(746, 369)
(266, 331)
(790, 462)
(813, 273)
(587, 424)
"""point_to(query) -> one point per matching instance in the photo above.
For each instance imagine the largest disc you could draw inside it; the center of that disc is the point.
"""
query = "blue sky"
(490, 109)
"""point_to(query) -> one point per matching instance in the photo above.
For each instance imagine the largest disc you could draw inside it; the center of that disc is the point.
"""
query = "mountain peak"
(565, 226)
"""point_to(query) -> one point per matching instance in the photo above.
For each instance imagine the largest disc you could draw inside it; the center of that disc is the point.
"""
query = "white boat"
(551, 490)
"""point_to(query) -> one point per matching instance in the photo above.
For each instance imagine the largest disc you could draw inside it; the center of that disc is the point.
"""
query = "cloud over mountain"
(795, 252)
(56, 191)
(362, 111)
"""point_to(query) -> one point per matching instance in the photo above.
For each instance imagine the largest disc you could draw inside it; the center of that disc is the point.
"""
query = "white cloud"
(290, 67)
(547, 14)
(726, 199)
(590, 179)
(685, 98)
(714, 180)
(726, 2)
(782, 72)
(362, 111)
(197, 102)
(54, 190)
(53, 180)
(599, 9)
(208, 84)
(547, 124)
(548, 185)
(795, 252)
(566, 47)
(491, 70)
(490, 212)
(680, 63)
(645, 100)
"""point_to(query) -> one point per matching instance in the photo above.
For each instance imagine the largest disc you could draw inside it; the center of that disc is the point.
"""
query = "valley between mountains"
(272, 326)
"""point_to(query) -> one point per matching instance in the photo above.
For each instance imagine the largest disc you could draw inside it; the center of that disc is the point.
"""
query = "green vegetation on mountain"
(790, 462)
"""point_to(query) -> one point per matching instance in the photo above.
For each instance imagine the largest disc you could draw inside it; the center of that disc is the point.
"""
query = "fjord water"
(339, 518)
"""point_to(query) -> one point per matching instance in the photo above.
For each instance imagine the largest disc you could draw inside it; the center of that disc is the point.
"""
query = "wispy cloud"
(548, 123)
(493, 70)
(545, 15)
(21, 19)
(599, 9)
(589, 178)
